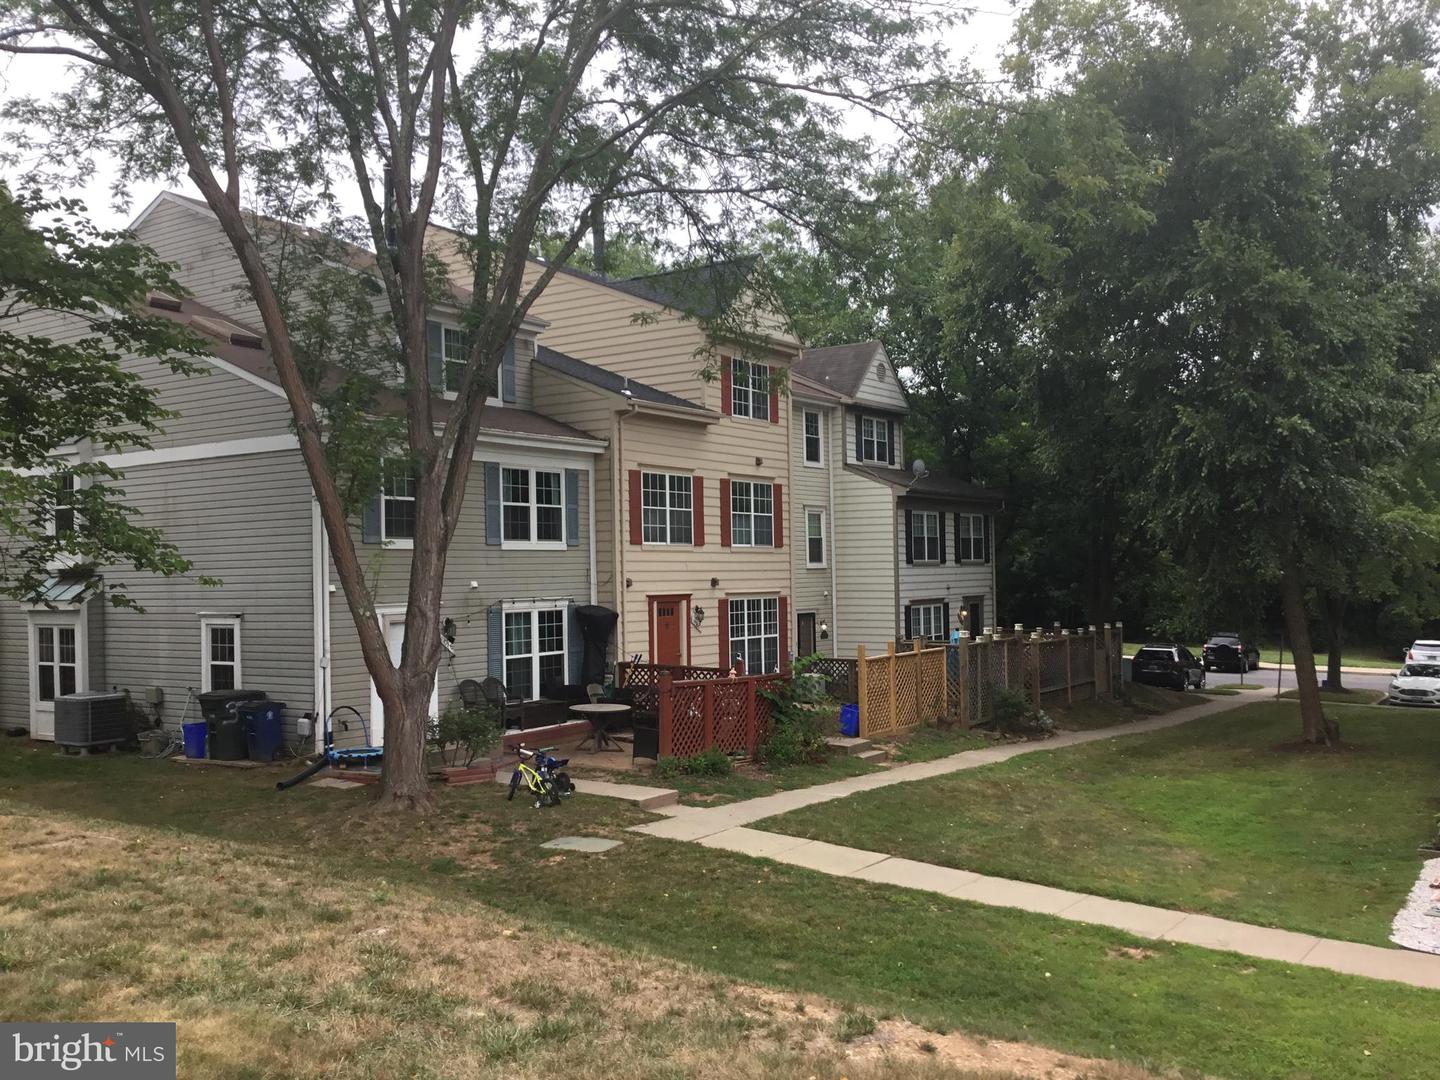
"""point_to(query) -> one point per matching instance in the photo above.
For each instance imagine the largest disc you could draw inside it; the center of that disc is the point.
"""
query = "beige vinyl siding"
(852, 418)
(950, 582)
(865, 555)
(729, 448)
(501, 575)
(810, 490)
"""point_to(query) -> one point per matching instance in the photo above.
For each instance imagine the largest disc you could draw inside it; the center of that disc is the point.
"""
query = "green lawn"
(746, 782)
(314, 875)
(1342, 697)
(1206, 817)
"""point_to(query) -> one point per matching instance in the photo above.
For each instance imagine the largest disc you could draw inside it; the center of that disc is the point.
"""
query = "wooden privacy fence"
(729, 713)
(643, 681)
(959, 683)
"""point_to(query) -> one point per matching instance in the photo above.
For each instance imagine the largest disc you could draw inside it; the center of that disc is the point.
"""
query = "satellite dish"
(918, 467)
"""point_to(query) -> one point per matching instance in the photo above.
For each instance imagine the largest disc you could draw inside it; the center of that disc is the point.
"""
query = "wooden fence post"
(665, 709)
(962, 668)
(1035, 643)
(890, 677)
(860, 695)
(752, 738)
(1069, 677)
(707, 712)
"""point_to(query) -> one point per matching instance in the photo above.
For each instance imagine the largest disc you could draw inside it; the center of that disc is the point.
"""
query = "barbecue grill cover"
(597, 626)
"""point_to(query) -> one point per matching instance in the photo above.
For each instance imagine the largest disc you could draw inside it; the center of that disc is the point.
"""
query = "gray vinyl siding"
(865, 554)
(501, 575)
(204, 259)
(244, 520)
(949, 582)
(810, 490)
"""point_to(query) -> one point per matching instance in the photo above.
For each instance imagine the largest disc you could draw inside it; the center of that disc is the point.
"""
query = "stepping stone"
(336, 782)
(851, 746)
(589, 844)
(873, 756)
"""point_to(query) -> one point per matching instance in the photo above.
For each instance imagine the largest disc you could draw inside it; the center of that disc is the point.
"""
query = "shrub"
(797, 734)
(711, 762)
(1015, 715)
(465, 732)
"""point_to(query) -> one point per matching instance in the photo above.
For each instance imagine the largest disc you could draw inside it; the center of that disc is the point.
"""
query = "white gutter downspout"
(833, 523)
(620, 535)
(320, 614)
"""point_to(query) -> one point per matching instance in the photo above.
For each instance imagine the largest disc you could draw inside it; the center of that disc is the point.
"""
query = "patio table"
(602, 716)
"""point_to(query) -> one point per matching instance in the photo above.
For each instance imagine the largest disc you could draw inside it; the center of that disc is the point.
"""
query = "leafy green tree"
(71, 328)
(518, 121)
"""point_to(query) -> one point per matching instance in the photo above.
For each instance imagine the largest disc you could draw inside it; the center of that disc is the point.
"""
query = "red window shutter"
(779, 507)
(697, 496)
(725, 394)
(784, 633)
(774, 397)
(724, 627)
(637, 537)
(724, 511)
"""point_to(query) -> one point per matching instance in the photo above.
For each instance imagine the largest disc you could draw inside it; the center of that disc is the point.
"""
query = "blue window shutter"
(370, 522)
(507, 373)
(572, 507)
(495, 642)
(575, 644)
(435, 354)
(492, 502)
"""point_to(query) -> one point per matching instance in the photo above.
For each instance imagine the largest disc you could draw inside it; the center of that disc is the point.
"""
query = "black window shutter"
(859, 437)
(908, 634)
(909, 537)
(890, 439)
(945, 614)
(370, 522)
(987, 538)
(572, 507)
(942, 538)
(507, 373)
(959, 547)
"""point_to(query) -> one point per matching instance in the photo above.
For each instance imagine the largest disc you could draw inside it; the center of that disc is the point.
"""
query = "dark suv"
(1163, 663)
(1226, 650)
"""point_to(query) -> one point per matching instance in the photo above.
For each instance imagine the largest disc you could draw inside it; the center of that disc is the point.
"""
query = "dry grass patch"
(273, 970)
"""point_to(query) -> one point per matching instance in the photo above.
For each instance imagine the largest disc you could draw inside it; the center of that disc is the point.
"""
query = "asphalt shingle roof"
(840, 368)
(608, 380)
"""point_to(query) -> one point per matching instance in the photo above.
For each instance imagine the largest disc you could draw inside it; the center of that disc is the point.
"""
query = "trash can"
(850, 720)
(194, 735)
(227, 740)
(263, 720)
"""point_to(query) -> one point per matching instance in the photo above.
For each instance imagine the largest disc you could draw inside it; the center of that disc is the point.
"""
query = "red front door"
(666, 615)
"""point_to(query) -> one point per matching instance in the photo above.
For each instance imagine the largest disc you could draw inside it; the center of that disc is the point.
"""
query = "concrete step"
(872, 756)
(853, 747)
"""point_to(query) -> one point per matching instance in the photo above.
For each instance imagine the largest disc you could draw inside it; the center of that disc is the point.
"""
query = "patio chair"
(471, 696)
(495, 694)
(595, 691)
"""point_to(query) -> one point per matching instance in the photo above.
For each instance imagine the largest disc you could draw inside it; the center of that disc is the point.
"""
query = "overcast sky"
(979, 42)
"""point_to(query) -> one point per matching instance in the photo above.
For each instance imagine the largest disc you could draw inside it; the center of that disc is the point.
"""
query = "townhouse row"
(738, 516)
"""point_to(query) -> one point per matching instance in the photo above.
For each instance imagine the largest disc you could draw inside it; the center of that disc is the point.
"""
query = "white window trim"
(451, 395)
(731, 601)
(667, 542)
(774, 512)
(937, 607)
(398, 543)
(977, 540)
(805, 438)
(882, 428)
(206, 622)
(751, 366)
(532, 607)
(824, 544)
(916, 516)
(532, 544)
(74, 618)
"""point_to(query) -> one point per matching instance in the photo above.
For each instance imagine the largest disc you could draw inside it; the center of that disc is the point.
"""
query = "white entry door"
(57, 667)
(393, 623)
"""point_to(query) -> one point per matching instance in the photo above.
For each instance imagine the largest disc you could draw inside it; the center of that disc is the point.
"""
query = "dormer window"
(877, 440)
(453, 347)
(448, 349)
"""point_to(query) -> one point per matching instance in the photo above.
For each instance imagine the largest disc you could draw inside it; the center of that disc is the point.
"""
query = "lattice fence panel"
(840, 676)
(730, 697)
(687, 721)
(1082, 659)
(1052, 664)
(875, 718)
(930, 685)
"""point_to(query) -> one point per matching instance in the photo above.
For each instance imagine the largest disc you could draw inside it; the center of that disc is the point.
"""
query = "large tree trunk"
(404, 781)
(1315, 727)
(1335, 636)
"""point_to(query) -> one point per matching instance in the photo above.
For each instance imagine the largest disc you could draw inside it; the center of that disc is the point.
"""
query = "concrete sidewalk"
(724, 828)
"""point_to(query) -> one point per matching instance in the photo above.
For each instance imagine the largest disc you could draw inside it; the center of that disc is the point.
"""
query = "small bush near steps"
(711, 762)
(1016, 715)
(797, 732)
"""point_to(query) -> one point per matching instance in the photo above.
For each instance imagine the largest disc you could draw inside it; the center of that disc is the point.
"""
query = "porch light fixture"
(714, 583)
(824, 630)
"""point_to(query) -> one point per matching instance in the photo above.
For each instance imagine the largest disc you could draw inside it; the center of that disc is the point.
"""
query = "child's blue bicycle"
(542, 775)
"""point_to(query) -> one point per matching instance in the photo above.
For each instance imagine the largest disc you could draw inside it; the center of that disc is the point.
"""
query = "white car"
(1415, 684)
(1425, 651)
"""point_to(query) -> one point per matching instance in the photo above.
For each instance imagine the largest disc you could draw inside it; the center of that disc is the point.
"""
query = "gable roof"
(242, 350)
(842, 369)
(812, 390)
(607, 380)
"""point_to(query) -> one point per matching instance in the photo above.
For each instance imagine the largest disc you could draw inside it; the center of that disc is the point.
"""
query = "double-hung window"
(752, 514)
(63, 521)
(749, 389)
(875, 439)
(755, 633)
(969, 537)
(928, 621)
(814, 538)
(56, 661)
(814, 447)
(397, 509)
(667, 505)
(219, 654)
(452, 352)
(534, 650)
(532, 506)
(925, 536)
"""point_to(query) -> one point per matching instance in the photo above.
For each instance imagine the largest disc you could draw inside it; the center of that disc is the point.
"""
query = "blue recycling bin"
(194, 735)
(850, 720)
(263, 722)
